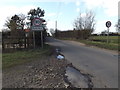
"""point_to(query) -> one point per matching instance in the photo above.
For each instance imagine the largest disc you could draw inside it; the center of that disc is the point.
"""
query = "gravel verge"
(47, 72)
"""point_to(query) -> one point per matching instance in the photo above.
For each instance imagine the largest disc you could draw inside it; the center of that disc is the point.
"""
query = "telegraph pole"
(55, 25)
(56, 28)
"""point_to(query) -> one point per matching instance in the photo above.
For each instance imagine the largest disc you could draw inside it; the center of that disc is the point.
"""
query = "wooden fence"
(16, 42)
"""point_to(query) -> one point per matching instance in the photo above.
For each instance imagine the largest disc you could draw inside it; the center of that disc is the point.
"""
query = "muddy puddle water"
(77, 79)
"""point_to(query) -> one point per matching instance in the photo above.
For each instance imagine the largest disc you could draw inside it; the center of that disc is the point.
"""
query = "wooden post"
(41, 39)
(28, 42)
(25, 41)
(34, 39)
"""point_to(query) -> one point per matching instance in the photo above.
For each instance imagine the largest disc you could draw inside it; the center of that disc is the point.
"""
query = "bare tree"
(78, 23)
(89, 21)
(86, 22)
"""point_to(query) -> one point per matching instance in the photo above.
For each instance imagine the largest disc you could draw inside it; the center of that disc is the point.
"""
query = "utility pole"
(55, 28)
(55, 25)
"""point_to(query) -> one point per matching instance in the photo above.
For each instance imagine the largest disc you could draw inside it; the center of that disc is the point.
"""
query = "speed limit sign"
(108, 24)
(37, 22)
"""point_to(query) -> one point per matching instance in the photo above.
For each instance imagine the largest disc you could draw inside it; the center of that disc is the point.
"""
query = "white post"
(108, 36)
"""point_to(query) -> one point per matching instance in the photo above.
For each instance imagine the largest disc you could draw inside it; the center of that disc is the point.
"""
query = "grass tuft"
(19, 57)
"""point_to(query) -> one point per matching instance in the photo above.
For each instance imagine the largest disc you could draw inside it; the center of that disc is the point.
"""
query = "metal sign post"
(108, 24)
(108, 36)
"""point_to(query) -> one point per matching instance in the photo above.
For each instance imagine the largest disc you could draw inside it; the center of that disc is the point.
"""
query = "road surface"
(101, 64)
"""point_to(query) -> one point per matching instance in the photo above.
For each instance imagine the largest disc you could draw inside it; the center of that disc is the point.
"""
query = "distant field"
(99, 41)
(112, 39)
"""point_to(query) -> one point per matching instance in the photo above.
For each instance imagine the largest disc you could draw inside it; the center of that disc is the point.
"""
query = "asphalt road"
(101, 64)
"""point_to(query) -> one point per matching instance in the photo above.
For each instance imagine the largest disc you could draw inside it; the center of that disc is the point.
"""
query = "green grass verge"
(110, 46)
(20, 57)
(112, 39)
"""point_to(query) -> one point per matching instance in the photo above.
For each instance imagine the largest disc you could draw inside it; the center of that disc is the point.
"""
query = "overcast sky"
(63, 11)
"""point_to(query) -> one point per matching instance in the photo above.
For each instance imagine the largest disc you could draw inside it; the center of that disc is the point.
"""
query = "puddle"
(77, 79)
(116, 56)
(74, 77)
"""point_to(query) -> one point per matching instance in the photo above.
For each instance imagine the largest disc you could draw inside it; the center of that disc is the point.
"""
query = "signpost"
(26, 37)
(108, 24)
(37, 26)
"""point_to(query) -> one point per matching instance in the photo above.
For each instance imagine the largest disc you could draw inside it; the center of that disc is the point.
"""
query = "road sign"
(108, 24)
(37, 28)
(37, 25)
(37, 22)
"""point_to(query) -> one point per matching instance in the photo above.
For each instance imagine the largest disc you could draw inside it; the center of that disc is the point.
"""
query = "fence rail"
(16, 42)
